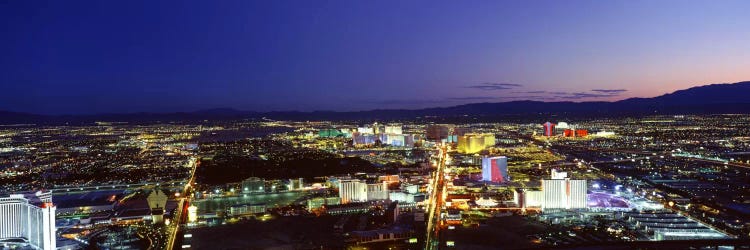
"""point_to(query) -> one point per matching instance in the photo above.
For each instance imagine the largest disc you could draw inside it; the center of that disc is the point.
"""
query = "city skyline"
(89, 58)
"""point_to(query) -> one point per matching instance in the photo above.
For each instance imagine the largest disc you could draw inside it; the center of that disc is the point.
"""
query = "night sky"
(82, 57)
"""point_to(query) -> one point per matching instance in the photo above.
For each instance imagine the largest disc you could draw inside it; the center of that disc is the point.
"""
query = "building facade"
(549, 129)
(352, 191)
(564, 194)
(20, 219)
(495, 169)
(473, 143)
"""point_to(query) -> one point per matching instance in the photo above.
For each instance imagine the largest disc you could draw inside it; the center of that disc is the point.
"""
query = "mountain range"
(730, 98)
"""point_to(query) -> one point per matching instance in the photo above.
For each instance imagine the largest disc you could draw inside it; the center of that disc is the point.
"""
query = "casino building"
(560, 192)
(495, 169)
(21, 218)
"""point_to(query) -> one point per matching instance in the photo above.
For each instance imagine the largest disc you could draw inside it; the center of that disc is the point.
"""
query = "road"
(436, 202)
(178, 218)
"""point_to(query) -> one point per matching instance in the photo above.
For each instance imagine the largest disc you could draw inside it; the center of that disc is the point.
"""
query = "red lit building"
(569, 133)
(581, 132)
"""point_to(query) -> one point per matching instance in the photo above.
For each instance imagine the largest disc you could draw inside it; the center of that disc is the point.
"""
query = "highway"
(432, 240)
(178, 218)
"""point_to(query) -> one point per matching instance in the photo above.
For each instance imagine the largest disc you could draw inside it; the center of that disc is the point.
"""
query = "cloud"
(494, 86)
(536, 92)
(609, 91)
(404, 101)
(471, 98)
(582, 95)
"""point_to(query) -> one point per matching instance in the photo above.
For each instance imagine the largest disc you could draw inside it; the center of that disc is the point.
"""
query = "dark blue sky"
(73, 57)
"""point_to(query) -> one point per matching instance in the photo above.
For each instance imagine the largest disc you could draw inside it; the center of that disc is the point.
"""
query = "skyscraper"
(495, 169)
(560, 192)
(19, 218)
(549, 129)
(352, 191)
(473, 143)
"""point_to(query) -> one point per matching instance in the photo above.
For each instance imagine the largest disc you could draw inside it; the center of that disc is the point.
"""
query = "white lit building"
(352, 191)
(365, 130)
(377, 191)
(561, 192)
(192, 213)
(393, 129)
(19, 218)
(360, 191)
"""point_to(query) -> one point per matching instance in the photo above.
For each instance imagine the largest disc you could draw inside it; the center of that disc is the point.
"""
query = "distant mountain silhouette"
(709, 99)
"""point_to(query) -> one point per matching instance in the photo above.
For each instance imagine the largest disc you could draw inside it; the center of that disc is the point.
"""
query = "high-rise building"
(473, 143)
(352, 191)
(360, 191)
(363, 139)
(365, 130)
(19, 218)
(377, 191)
(495, 169)
(192, 213)
(157, 202)
(560, 192)
(393, 129)
(549, 129)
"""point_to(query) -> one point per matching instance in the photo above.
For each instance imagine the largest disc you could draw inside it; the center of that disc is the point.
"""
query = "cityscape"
(368, 125)
(403, 185)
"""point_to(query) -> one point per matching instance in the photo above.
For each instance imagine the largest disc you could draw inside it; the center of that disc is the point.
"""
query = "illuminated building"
(192, 213)
(319, 202)
(575, 133)
(243, 209)
(486, 202)
(569, 133)
(393, 129)
(473, 143)
(19, 218)
(253, 185)
(157, 202)
(560, 192)
(397, 140)
(581, 133)
(401, 197)
(365, 130)
(604, 133)
(376, 128)
(389, 178)
(495, 169)
(352, 191)
(360, 191)
(549, 129)
(528, 198)
(295, 184)
(377, 191)
(363, 139)
(331, 132)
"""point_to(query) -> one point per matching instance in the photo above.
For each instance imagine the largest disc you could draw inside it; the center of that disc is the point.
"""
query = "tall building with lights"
(19, 218)
(360, 191)
(560, 192)
(352, 191)
(495, 169)
(473, 143)
(549, 129)
(394, 129)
